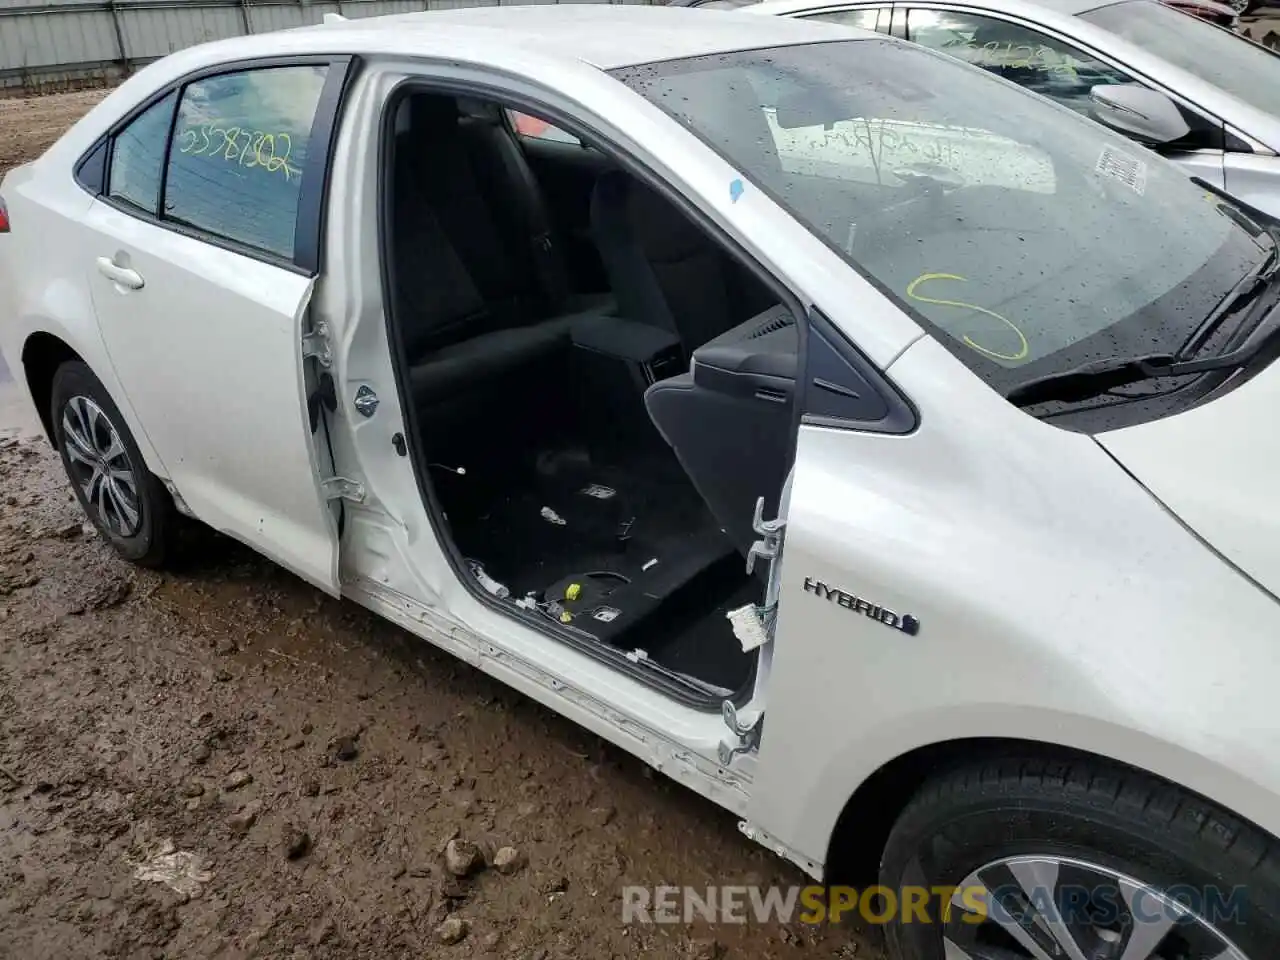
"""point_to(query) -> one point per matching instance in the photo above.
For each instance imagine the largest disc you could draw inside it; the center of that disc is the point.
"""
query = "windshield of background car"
(1026, 237)
(1243, 69)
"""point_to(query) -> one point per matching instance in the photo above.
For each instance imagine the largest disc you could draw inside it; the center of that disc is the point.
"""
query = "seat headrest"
(429, 112)
(485, 111)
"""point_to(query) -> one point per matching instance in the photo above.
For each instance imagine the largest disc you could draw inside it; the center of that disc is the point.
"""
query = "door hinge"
(745, 734)
(340, 488)
(770, 531)
(316, 344)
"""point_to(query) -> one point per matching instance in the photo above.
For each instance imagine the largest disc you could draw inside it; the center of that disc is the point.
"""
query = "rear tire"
(1081, 828)
(127, 504)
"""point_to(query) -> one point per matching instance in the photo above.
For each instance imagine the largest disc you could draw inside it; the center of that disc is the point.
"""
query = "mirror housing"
(1138, 112)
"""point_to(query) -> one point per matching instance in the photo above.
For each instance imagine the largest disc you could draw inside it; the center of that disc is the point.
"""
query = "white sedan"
(1202, 95)
(523, 327)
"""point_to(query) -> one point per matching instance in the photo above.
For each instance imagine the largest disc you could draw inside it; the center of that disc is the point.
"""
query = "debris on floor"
(490, 585)
(182, 871)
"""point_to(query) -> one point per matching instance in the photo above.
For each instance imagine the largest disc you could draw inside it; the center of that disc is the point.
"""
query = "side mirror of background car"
(1138, 112)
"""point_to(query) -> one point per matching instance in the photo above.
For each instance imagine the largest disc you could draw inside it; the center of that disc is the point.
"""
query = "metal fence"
(63, 43)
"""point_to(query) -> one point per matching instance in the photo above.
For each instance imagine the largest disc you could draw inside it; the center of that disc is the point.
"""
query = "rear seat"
(479, 287)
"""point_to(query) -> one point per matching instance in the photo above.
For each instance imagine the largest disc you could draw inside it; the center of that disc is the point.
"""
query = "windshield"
(1026, 237)
(1227, 60)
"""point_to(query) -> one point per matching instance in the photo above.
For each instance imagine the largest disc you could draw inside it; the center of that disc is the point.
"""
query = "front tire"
(122, 498)
(1079, 858)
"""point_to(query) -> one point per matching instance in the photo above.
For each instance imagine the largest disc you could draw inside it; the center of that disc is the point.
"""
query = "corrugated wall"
(58, 43)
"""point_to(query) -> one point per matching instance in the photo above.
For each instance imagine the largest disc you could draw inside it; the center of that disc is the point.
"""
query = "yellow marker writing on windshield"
(926, 277)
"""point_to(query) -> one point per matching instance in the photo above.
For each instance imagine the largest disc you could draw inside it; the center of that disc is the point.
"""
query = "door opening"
(582, 476)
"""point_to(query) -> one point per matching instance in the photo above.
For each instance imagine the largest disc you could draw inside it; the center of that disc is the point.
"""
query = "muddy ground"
(297, 766)
(315, 762)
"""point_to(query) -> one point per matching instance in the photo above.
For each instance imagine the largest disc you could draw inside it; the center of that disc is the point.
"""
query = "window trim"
(884, 14)
(1178, 98)
(308, 241)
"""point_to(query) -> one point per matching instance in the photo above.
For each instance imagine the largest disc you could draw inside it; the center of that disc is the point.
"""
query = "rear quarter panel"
(44, 264)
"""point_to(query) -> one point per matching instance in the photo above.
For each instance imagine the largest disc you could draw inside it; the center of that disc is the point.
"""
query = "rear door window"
(238, 154)
(1027, 57)
(868, 18)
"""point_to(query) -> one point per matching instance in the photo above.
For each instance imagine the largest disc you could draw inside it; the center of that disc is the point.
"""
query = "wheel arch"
(42, 354)
(862, 828)
(43, 351)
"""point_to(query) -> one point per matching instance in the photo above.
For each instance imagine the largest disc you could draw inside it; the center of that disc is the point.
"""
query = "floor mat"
(626, 552)
(691, 634)
(642, 520)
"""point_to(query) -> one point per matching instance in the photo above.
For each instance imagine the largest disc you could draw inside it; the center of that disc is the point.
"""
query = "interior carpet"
(625, 552)
(642, 520)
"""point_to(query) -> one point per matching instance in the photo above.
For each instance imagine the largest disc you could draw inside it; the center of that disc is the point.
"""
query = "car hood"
(1217, 468)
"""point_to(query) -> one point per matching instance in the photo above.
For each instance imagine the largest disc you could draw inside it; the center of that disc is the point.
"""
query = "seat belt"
(546, 260)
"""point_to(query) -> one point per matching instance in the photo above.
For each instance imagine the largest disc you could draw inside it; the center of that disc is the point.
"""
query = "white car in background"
(1202, 95)
(979, 389)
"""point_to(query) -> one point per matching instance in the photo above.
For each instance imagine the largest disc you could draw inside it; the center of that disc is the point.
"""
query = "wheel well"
(863, 827)
(42, 354)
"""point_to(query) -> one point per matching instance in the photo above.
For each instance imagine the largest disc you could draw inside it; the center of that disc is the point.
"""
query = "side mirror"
(1138, 112)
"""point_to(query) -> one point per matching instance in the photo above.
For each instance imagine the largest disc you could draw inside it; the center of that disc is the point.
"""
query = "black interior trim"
(91, 169)
(843, 389)
(673, 687)
(313, 192)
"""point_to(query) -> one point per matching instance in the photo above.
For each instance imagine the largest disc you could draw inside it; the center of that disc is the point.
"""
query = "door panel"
(1205, 164)
(211, 196)
(208, 350)
(1254, 179)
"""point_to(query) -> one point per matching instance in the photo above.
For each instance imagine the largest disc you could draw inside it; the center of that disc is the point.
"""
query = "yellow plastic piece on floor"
(573, 591)
(566, 617)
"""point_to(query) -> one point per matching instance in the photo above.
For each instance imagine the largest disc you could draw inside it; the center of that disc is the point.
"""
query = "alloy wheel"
(99, 465)
(1048, 908)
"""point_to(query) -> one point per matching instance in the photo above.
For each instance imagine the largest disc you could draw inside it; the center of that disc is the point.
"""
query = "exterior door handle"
(122, 276)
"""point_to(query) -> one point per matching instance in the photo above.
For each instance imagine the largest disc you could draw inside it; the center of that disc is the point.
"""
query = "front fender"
(1058, 602)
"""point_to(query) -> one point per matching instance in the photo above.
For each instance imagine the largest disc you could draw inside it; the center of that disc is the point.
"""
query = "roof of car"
(603, 35)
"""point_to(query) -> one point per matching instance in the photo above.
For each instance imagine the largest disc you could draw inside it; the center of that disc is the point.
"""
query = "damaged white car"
(866, 443)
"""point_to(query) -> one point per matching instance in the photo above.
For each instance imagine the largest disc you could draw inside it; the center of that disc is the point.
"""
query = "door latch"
(366, 401)
(340, 488)
(746, 732)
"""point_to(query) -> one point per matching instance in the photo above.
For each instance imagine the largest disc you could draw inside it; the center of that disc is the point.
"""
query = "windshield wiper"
(1243, 293)
(1090, 379)
(1099, 376)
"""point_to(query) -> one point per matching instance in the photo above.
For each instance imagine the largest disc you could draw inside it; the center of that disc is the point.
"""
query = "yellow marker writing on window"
(1022, 350)
(257, 148)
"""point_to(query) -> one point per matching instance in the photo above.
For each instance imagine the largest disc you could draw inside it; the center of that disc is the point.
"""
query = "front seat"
(729, 419)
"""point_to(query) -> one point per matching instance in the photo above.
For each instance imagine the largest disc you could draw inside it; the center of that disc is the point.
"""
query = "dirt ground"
(28, 125)
(303, 765)
(223, 762)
